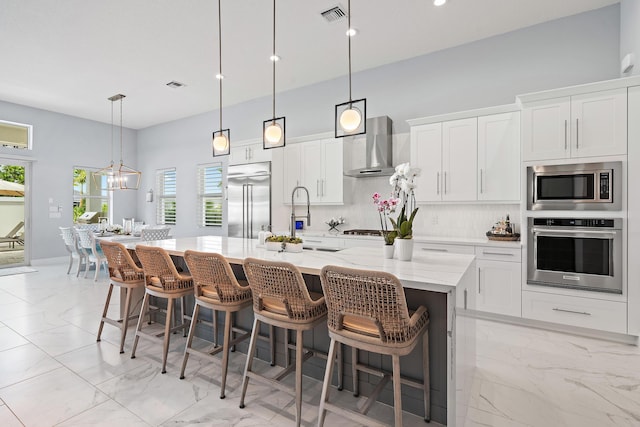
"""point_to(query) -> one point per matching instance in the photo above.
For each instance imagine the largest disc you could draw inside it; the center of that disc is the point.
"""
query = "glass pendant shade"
(350, 118)
(273, 131)
(220, 143)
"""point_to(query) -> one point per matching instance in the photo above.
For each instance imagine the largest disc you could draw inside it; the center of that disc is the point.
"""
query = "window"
(210, 195)
(166, 206)
(15, 135)
(90, 195)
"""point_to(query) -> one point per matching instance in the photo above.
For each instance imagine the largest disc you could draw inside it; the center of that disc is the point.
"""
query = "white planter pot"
(294, 247)
(273, 246)
(404, 249)
(387, 251)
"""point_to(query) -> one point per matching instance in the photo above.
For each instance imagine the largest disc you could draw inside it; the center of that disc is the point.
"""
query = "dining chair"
(87, 243)
(368, 310)
(71, 244)
(162, 280)
(216, 288)
(154, 233)
(281, 299)
(125, 274)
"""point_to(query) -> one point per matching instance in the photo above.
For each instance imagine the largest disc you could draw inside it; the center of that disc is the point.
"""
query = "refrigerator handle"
(250, 206)
(244, 207)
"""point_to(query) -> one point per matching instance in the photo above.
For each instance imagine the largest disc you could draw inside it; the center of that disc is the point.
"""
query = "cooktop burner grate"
(362, 232)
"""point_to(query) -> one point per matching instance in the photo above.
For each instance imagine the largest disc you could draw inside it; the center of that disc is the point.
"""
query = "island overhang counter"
(444, 283)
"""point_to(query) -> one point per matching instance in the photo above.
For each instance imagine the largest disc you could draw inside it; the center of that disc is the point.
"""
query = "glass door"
(14, 213)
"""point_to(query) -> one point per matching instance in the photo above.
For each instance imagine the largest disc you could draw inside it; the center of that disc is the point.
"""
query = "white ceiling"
(69, 56)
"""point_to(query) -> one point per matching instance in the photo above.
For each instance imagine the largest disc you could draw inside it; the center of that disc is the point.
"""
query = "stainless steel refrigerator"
(249, 199)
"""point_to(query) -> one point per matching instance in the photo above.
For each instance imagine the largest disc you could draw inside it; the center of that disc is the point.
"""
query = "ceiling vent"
(174, 84)
(334, 14)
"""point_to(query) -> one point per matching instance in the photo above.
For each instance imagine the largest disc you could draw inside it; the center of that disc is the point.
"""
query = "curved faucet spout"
(293, 209)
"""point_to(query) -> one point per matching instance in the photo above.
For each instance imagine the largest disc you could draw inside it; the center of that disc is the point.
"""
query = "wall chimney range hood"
(378, 150)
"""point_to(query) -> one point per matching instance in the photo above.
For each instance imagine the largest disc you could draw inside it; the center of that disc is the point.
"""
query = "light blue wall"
(61, 142)
(578, 49)
(630, 32)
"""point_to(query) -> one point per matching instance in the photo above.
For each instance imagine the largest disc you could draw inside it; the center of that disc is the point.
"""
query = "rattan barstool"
(162, 280)
(281, 299)
(216, 288)
(125, 274)
(368, 311)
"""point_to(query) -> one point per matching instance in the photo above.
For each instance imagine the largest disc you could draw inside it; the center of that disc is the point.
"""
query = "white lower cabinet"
(498, 283)
(575, 311)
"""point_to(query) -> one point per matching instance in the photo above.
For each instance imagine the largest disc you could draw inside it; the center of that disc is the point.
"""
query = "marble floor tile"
(36, 322)
(62, 339)
(8, 418)
(9, 338)
(23, 362)
(107, 414)
(50, 398)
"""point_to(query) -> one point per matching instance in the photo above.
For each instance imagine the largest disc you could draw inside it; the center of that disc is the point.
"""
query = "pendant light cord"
(112, 133)
(349, 38)
(220, 58)
(121, 149)
(274, 62)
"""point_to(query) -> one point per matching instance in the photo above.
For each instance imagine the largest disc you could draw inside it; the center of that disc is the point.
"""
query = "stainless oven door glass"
(575, 257)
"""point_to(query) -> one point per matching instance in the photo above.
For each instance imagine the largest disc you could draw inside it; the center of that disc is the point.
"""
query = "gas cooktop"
(362, 232)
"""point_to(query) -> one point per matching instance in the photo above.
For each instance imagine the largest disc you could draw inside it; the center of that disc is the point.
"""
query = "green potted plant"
(283, 243)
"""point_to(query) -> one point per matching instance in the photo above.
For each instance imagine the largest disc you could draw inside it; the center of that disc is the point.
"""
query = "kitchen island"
(441, 282)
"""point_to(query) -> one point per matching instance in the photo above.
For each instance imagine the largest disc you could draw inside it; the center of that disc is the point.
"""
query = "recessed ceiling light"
(274, 58)
(439, 2)
(352, 32)
(219, 76)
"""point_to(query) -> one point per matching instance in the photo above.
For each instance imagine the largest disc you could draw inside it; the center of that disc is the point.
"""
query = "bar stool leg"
(397, 391)
(272, 343)
(252, 348)
(167, 334)
(340, 362)
(182, 311)
(328, 372)
(143, 312)
(354, 371)
(225, 351)
(125, 321)
(104, 312)
(299, 351)
(425, 375)
(215, 328)
(194, 321)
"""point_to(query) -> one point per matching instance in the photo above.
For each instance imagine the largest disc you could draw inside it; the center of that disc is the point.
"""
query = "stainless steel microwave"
(581, 186)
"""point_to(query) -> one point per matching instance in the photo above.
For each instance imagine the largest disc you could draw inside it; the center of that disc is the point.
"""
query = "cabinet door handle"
(577, 134)
(496, 253)
(445, 183)
(438, 183)
(313, 241)
(571, 311)
(465, 299)
(318, 187)
(481, 181)
(565, 134)
(479, 282)
(435, 250)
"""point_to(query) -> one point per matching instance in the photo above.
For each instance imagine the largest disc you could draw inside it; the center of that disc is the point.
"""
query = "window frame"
(215, 172)
(29, 129)
(90, 181)
(163, 197)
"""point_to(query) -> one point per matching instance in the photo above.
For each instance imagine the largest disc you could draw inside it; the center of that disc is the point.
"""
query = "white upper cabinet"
(426, 154)
(499, 157)
(459, 159)
(316, 165)
(587, 125)
(252, 153)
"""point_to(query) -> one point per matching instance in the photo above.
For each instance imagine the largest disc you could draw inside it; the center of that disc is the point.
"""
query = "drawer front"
(584, 312)
(442, 248)
(499, 254)
(362, 243)
(322, 242)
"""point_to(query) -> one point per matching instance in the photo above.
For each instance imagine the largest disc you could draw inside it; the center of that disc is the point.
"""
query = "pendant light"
(109, 173)
(273, 130)
(127, 178)
(221, 145)
(350, 116)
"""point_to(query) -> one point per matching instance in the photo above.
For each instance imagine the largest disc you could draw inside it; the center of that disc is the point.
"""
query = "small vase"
(404, 249)
(388, 251)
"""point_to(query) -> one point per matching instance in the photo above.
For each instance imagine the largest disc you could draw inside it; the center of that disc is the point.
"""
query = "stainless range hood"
(378, 150)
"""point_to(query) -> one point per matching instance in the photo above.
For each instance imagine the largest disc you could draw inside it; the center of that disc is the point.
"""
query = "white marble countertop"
(467, 241)
(438, 272)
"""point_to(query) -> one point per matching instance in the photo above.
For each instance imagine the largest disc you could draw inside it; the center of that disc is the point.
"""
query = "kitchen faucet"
(293, 210)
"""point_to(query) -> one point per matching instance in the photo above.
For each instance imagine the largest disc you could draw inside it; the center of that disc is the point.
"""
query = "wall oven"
(575, 253)
(583, 186)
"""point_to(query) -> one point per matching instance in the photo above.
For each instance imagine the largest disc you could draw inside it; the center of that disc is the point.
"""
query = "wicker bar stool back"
(368, 310)
(162, 280)
(155, 233)
(281, 299)
(216, 288)
(124, 273)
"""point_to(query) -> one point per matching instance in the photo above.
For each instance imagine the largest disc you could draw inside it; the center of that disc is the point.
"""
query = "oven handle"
(568, 233)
